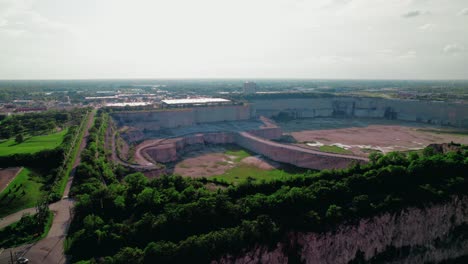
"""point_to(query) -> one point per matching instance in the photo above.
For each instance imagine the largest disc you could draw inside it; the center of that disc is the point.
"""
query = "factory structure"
(193, 102)
(250, 88)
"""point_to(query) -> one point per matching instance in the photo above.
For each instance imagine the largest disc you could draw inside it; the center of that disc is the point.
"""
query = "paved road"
(50, 249)
(15, 217)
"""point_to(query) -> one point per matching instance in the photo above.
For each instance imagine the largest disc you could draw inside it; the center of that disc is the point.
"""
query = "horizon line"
(234, 78)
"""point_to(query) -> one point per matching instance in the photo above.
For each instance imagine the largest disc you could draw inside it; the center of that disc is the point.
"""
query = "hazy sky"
(391, 39)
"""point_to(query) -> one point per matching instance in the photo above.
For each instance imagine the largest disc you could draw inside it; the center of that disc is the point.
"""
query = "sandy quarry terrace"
(212, 161)
(385, 138)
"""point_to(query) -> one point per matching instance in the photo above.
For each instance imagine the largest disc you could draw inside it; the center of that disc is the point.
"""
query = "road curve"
(15, 217)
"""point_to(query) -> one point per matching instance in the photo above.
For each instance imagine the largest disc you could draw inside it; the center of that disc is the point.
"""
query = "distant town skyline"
(248, 39)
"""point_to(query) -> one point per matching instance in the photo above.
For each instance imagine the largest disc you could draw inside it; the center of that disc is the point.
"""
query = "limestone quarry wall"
(172, 118)
(268, 133)
(291, 154)
(416, 235)
(441, 113)
(172, 149)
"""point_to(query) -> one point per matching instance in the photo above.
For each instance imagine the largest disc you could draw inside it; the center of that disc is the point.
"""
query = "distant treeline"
(76, 90)
(269, 96)
(122, 218)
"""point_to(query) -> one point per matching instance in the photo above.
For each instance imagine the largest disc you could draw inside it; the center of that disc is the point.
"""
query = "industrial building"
(190, 102)
(250, 88)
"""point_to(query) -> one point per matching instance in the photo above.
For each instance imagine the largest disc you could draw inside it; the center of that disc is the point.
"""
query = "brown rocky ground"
(261, 163)
(385, 138)
(212, 160)
(205, 162)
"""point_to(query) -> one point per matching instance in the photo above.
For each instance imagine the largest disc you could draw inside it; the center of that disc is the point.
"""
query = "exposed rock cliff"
(414, 235)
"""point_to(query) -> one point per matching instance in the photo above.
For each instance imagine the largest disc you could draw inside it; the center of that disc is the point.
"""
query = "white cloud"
(427, 27)
(12, 32)
(411, 54)
(386, 51)
(412, 14)
(453, 48)
(222, 38)
(19, 16)
(463, 12)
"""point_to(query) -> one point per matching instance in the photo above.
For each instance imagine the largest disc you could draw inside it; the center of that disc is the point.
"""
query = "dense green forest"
(122, 218)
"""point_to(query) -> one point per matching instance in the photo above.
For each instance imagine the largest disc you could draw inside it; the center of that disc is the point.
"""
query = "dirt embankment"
(7, 175)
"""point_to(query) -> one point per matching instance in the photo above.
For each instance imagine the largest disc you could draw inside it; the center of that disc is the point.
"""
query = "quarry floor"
(361, 139)
(384, 138)
(218, 160)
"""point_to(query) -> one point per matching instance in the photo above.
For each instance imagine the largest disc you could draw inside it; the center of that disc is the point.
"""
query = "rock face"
(171, 150)
(440, 113)
(173, 118)
(295, 155)
(414, 235)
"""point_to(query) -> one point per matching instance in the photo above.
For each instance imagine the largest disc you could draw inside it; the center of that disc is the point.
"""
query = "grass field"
(32, 144)
(242, 172)
(238, 153)
(334, 149)
(23, 192)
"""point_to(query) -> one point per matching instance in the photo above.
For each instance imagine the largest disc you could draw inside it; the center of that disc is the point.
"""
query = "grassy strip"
(48, 225)
(334, 149)
(457, 132)
(25, 231)
(238, 153)
(32, 144)
(23, 192)
(71, 158)
(244, 172)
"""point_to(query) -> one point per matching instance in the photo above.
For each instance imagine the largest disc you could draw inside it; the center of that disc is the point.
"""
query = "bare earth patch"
(7, 175)
(206, 162)
(261, 163)
(384, 138)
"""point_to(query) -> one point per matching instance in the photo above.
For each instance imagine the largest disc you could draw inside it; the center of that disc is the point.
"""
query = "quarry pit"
(189, 141)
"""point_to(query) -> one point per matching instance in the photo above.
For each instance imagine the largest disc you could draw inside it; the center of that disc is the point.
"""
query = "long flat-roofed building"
(188, 102)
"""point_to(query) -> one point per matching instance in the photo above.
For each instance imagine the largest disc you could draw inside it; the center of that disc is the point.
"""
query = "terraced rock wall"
(173, 118)
(172, 149)
(440, 113)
